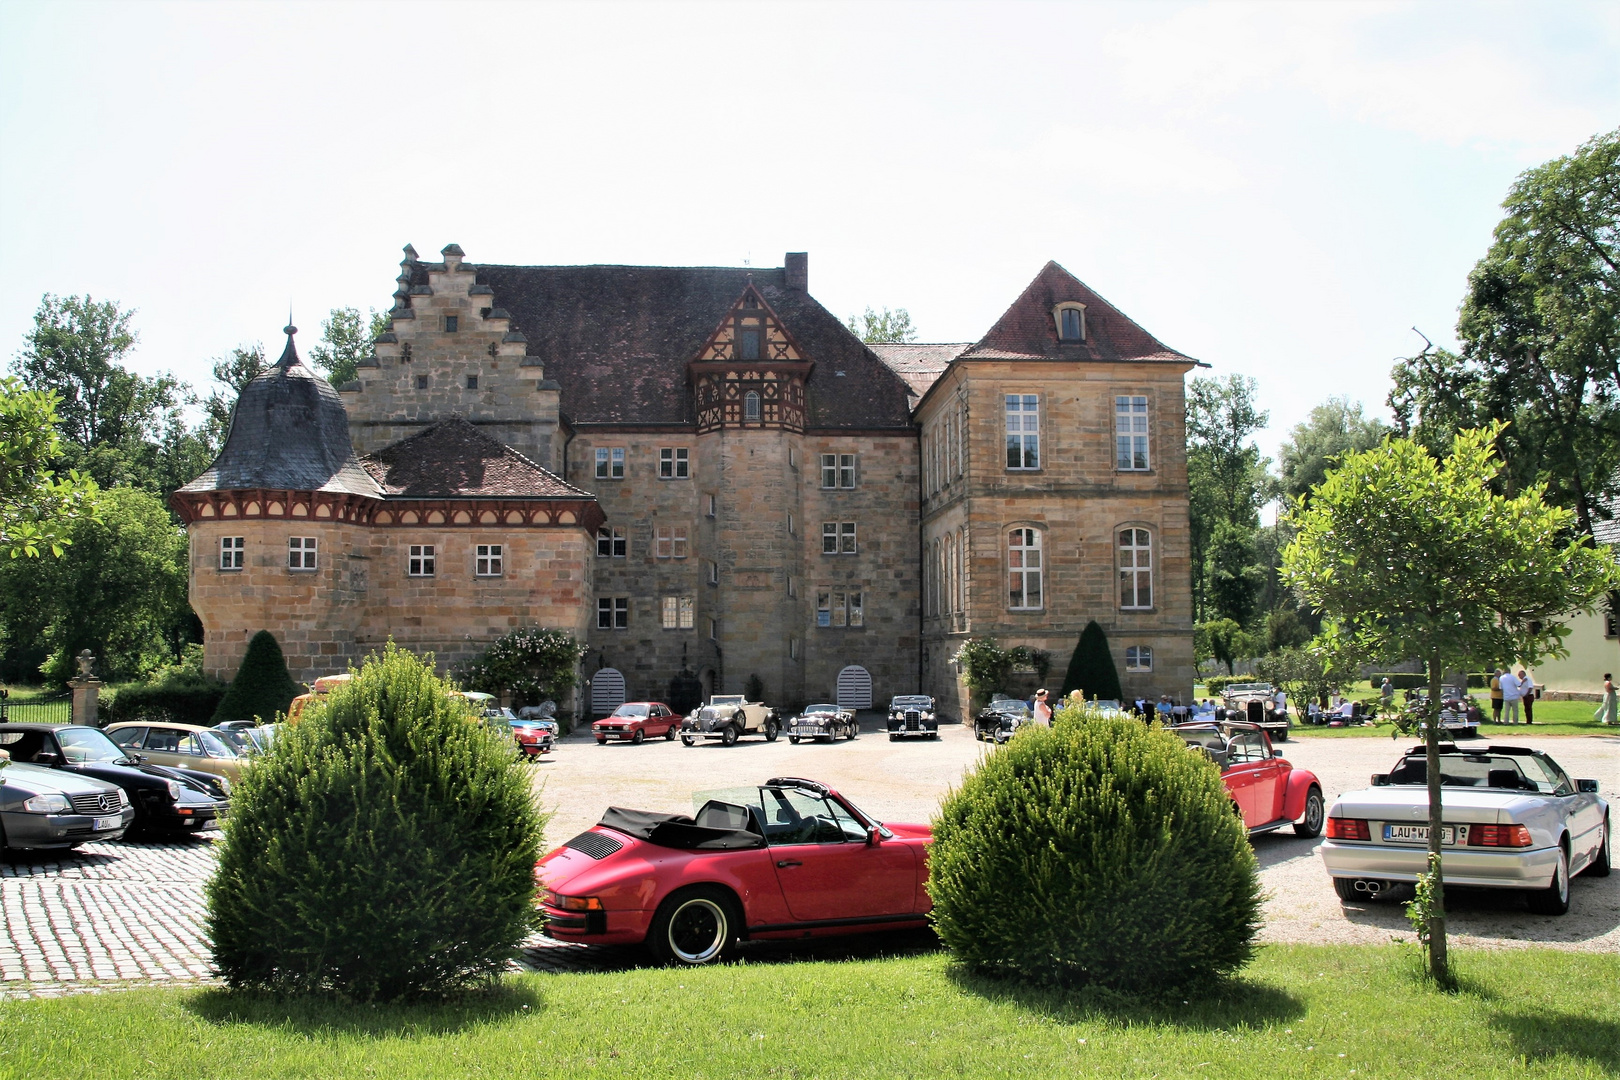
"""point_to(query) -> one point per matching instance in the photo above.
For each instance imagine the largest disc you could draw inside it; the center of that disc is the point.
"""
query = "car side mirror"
(873, 838)
(1276, 753)
(1588, 786)
(1380, 779)
(134, 757)
(48, 759)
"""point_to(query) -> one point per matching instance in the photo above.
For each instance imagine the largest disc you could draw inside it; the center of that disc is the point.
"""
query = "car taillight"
(1343, 828)
(1498, 836)
(573, 903)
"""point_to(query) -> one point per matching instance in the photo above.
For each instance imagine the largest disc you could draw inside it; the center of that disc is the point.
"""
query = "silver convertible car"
(1511, 819)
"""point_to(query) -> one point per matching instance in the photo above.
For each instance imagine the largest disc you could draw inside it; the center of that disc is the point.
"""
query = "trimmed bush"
(383, 848)
(1091, 668)
(1096, 852)
(262, 688)
(173, 701)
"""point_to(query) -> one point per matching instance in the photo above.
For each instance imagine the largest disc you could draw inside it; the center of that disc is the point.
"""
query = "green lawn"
(1552, 718)
(1303, 1011)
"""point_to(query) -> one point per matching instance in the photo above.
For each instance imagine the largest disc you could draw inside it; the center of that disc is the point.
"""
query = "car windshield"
(1207, 737)
(222, 744)
(820, 708)
(1503, 772)
(727, 699)
(912, 701)
(786, 815)
(630, 710)
(87, 746)
(1010, 707)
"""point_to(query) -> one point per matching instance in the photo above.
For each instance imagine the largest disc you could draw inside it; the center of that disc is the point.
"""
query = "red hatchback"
(789, 858)
(636, 721)
(1265, 787)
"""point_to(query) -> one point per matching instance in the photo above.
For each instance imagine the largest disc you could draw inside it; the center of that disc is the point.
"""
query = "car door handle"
(783, 864)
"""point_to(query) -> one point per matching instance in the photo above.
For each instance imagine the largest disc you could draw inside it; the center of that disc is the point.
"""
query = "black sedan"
(164, 797)
(912, 714)
(998, 720)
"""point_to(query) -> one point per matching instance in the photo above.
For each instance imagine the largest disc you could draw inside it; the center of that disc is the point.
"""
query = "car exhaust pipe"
(1371, 888)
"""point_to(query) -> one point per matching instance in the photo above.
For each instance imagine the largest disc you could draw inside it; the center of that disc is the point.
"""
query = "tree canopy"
(1417, 557)
(37, 509)
(346, 338)
(1228, 484)
(1333, 428)
(883, 327)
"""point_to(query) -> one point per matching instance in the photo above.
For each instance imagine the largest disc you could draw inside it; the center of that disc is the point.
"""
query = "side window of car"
(190, 745)
(797, 817)
(129, 738)
(163, 741)
(852, 830)
(1246, 748)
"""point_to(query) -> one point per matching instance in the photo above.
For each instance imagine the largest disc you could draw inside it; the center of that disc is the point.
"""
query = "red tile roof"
(453, 459)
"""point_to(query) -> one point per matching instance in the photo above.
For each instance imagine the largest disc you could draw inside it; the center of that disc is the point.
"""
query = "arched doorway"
(607, 691)
(854, 688)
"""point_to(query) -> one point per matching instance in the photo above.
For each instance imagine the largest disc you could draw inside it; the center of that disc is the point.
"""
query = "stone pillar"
(86, 692)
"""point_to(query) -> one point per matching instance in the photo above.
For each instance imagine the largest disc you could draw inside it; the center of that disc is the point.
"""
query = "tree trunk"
(1438, 966)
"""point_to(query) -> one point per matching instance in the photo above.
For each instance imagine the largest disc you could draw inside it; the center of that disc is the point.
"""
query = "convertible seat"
(679, 831)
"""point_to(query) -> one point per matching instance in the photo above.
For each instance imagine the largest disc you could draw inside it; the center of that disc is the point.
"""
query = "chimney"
(796, 264)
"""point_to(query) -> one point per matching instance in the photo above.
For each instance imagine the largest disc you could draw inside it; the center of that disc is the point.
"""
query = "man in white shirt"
(1510, 698)
(1527, 694)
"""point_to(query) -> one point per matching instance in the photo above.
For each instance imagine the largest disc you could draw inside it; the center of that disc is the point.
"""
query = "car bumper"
(1494, 868)
(807, 732)
(35, 831)
(912, 727)
(597, 927)
(622, 734)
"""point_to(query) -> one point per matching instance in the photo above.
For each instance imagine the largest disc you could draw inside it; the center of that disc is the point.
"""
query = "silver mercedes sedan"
(1511, 819)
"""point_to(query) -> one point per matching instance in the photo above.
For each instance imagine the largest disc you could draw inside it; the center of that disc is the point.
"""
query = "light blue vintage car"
(1511, 819)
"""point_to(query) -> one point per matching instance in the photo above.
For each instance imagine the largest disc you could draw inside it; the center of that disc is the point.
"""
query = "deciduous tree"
(37, 508)
(346, 338)
(883, 327)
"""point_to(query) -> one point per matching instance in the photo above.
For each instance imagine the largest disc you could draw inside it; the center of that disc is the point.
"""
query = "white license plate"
(100, 823)
(1417, 834)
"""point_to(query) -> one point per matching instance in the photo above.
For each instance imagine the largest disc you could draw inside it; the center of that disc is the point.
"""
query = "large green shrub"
(263, 686)
(1091, 668)
(530, 663)
(1098, 851)
(383, 848)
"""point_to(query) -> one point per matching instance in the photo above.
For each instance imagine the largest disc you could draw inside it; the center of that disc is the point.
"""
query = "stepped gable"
(453, 459)
(1027, 330)
(919, 364)
(289, 432)
(618, 339)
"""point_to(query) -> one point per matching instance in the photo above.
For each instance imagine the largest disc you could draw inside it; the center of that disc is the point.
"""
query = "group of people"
(1508, 691)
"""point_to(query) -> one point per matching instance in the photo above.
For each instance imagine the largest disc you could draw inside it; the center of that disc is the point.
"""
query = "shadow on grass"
(557, 959)
(1227, 1005)
(1541, 1035)
(326, 1017)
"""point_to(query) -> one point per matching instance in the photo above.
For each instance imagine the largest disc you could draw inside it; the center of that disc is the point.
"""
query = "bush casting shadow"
(1225, 1005)
(1540, 1036)
(319, 1015)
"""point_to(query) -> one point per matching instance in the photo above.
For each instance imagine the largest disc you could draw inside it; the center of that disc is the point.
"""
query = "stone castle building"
(701, 468)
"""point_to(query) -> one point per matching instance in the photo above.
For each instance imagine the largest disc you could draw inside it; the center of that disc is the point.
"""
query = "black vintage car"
(998, 720)
(912, 714)
(164, 797)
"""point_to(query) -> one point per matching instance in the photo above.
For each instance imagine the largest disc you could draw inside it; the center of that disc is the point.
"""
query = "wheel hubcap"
(1313, 812)
(697, 931)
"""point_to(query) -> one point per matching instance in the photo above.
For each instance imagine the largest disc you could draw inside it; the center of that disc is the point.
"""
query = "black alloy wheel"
(772, 729)
(669, 733)
(694, 927)
(639, 737)
(729, 736)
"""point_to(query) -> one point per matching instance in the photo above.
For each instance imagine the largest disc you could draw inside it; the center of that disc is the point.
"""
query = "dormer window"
(1071, 322)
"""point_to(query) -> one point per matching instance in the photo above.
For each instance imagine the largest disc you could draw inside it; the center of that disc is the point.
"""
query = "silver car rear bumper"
(1503, 868)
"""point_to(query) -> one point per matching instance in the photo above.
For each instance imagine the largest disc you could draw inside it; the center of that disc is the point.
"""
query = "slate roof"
(289, 432)
(1026, 331)
(453, 459)
(1607, 531)
(618, 340)
(919, 364)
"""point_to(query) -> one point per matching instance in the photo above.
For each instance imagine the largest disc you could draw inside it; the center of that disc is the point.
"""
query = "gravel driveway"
(903, 781)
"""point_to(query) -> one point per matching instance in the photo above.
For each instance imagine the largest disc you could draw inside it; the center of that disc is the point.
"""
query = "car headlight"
(47, 804)
(174, 790)
(123, 798)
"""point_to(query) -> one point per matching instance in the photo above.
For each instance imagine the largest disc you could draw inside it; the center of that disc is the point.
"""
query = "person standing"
(1386, 695)
(1496, 697)
(1527, 694)
(1043, 711)
(1510, 698)
(1606, 711)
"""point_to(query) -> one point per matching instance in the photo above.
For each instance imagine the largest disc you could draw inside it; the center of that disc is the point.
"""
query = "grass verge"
(1552, 718)
(1297, 1011)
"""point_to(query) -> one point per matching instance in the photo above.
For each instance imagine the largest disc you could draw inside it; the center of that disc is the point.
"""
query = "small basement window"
(451, 324)
(472, 382)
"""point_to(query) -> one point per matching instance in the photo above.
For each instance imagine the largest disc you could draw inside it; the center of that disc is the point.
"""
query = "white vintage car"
(728, 717)
(1511, 819)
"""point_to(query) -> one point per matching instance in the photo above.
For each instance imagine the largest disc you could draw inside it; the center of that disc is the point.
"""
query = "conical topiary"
(262, 687)
(1091, 668)
(383, 848)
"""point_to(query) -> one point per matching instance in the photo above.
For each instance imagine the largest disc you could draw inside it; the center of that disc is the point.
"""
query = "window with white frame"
(711, 505)
(611, 542)
(232, 552)
(1023, 431)
(792, 525)
(1135, 569)
(1071, 321)
(613, 613)
(610, 463)
(839, 608)
(671, 542)
(792, 588)
(301, 553)
(674, 463)
(1024, 570)
(713, 572)
(837, 471)
(421, 562)
(751, 405)
(1138, 658)
(487, 560)
(677, 613)
(838, 538)
(1131, 433)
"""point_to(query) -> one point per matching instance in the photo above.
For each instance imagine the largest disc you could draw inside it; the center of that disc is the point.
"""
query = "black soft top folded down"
(678, 831)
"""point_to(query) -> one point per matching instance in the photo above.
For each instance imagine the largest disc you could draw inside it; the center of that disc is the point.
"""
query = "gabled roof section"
(776, 346)
(1027, 331)
(618, 339)
(453, 459)
(920, 365)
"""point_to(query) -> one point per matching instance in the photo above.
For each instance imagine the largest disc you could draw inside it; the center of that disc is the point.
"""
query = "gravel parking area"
(130, 913)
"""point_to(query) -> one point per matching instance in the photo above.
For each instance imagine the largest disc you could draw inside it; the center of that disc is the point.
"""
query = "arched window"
(1135, 569)
(961, 569)
(950, 575)
(1071, 321)
(751, 405)
(1024, 570)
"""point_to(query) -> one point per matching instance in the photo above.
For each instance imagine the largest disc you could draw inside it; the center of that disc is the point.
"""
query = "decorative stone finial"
(85, 658)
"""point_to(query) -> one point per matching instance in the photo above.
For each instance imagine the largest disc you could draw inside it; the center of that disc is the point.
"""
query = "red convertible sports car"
(790, 858)
(1266, 788)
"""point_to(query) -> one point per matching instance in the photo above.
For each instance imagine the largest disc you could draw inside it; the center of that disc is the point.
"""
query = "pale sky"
(1281, 190)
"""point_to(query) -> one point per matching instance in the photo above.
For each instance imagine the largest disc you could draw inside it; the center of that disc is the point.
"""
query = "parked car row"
(730, 717)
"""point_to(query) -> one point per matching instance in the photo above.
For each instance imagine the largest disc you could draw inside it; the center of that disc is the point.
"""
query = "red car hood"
(907, 828)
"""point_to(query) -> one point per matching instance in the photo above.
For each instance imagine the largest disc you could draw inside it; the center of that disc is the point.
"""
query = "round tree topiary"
(383, 848)
(262, 687)
(1098, 851)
